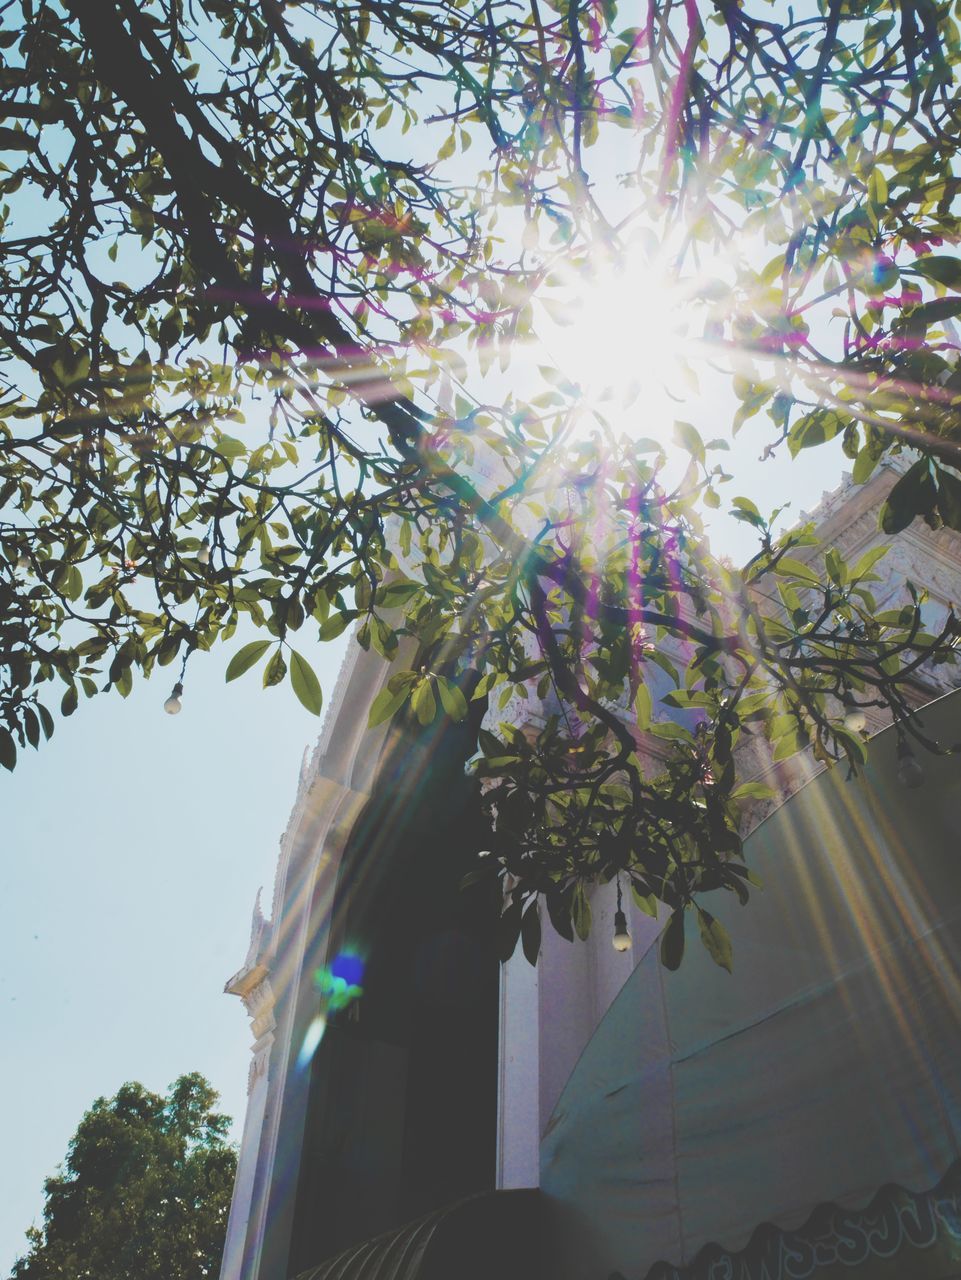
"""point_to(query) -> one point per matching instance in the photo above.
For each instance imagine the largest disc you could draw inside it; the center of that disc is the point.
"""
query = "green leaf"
(867, 562)
(508, 928)
(646, 902)
(668, 729)
(744, 509)
(787, 566)
(423, 702)
(383, 638)
(275, 670)
(31, 727)
(685, 699)
(902, 617)
(913, 495)
(942, 269)
(716, 940)
(230, 448)
(485, 684)
(877, 188)
(558, 904)
(387, 703)
(245, 658)
(689, 438)
(813, 429)
(580, 913)
(855, 747)
(404, 537)
(452, 700)
(864, 464)
(643, 707)
(930, 313)
(46, 721)
(394, 594)
(789, 744)
(835, 566)
(531, 933)
(752, 791)
(8, 750)
(68, 703)
(335, 624)
(949, 498)
(672, 940)
(402, 680)
(306, 685)
(490, 745)
(746, 874)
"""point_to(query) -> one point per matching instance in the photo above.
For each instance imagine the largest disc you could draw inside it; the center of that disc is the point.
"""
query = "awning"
(491, 1236)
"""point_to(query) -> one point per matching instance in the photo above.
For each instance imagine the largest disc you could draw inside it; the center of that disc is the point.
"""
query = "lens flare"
(350, 967)
(311, 1043)
(340, 982)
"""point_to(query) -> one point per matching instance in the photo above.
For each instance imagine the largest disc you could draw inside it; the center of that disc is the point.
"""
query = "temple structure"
(645, 1122)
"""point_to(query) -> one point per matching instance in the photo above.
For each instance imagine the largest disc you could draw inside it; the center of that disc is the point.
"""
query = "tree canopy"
(266, 270)
(144, 1191)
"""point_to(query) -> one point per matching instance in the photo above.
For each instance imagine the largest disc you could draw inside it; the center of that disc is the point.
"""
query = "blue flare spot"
(349, 967)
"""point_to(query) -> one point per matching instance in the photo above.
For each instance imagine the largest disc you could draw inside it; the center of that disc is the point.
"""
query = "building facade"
(597, 1078)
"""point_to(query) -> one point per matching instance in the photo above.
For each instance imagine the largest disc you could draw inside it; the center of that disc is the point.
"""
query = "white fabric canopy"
(826, 1066)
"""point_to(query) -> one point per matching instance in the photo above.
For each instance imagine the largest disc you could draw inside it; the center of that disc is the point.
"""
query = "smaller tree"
(144, 1192)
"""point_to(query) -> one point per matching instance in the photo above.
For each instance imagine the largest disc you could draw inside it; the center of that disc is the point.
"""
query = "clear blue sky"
(133, 844)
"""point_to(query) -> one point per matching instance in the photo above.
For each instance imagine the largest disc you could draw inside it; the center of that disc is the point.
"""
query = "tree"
(144, 1191)
(287, 186)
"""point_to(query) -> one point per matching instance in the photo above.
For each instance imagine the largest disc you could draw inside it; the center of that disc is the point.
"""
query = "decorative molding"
(251, 983)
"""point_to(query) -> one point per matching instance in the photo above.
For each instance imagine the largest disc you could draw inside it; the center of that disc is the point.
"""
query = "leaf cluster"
(248, 270)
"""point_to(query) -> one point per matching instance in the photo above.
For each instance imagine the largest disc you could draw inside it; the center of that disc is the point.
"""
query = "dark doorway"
(401, 1117)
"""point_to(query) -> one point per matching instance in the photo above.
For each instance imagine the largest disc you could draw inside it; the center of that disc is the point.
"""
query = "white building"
(656, 1113)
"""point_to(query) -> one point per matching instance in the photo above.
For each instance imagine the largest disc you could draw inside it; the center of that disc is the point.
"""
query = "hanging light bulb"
(173, 704)
(203, 555)
(910, 773)
(855, 719)
(622, 939)
(23, 562)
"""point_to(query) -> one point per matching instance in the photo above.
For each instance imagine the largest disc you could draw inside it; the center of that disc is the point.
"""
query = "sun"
(621, 330)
